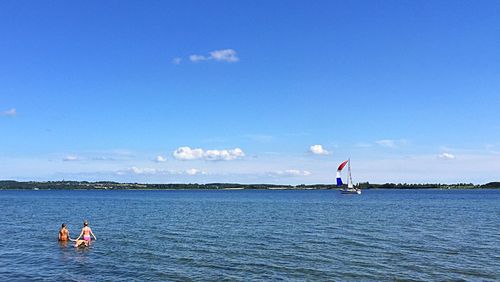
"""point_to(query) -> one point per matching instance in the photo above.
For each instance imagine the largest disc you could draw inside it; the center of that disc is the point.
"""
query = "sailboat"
(350, 189)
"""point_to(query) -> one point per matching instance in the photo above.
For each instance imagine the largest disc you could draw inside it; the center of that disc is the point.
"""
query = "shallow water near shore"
(253, 235)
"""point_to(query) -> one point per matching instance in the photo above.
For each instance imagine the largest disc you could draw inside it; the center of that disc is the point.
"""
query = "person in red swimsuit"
(63, 233)
(86, 232)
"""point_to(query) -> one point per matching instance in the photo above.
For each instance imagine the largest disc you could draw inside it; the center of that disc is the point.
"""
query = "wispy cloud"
(154, 171)
(391, 143)
(138, 170)
(430, 169)
(223, 55)
(187, 154)
(71, 158)
(290, 173)
(318, 150)
(363, 145)
(193, 171)
(226, 55)
(116, 154)
(176, 61)
(197, 58)
(261, 138)
(446, 156)
(103, 158)
(9, 113)
(492, 149)
(279, 169)
(386, 143)
(160, 159)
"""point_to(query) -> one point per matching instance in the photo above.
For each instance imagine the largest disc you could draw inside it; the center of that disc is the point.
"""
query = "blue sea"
(308, 235)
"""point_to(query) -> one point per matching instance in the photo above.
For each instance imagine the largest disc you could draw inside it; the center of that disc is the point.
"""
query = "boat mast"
(349, 179)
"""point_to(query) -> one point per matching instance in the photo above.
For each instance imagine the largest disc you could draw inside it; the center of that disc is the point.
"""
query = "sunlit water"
(253, 235)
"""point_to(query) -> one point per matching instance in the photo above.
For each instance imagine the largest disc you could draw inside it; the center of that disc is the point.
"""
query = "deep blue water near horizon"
(253, 235)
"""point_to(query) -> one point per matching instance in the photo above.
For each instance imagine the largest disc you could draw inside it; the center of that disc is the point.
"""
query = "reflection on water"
(253, 235)
(63, 244)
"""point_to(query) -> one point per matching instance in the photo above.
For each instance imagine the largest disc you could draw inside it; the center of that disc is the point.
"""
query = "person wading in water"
(86, 232)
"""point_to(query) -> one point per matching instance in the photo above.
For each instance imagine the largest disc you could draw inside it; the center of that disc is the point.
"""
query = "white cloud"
(115, 154)
(224, 55)
(492, 149)
(71, 158)
(103, 158)
(186, 154)
(10, 113)
(160, 159)
(153, 171)
(292, 173)
(318, 150)
(223, 155)
(429, 169)
(177, 61)
(194, 171)
(197, 58)
(132, 170)
(388, 143)
(392, 143)
(137, 170)
(363, 145)
(446, 156)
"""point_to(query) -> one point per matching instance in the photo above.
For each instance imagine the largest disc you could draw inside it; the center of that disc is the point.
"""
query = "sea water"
(252, 235)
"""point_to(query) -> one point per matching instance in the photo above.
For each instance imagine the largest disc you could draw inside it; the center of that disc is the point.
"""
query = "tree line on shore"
(105, 185)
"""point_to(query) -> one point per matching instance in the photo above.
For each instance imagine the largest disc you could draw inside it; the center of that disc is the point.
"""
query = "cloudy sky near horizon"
(250, 91)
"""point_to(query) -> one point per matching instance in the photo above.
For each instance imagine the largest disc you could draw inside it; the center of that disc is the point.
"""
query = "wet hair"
(85, 223)
(63, 225)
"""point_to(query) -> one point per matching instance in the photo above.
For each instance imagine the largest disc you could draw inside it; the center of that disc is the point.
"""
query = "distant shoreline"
(106, 185)
(336, 189)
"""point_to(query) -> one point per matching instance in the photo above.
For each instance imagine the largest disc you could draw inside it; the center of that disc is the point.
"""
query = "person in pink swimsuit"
(86, 232)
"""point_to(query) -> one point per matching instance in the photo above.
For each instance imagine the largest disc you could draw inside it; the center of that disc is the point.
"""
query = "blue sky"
(250, 91)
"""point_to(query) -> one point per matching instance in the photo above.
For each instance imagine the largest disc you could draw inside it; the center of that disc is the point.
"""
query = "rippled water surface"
(253, 235)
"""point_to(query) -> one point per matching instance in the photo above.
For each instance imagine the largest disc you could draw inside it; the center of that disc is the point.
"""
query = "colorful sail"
(339, 179)
(350, 189)
(341, 166)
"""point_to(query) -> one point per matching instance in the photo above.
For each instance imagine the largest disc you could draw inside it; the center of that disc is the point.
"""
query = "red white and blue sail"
(341, 166)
